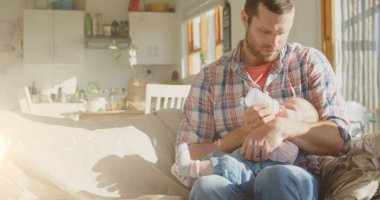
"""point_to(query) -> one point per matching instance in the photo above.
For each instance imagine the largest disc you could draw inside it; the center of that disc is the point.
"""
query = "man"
(215, 120)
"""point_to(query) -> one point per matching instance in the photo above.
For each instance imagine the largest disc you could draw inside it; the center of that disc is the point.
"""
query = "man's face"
(267, 33)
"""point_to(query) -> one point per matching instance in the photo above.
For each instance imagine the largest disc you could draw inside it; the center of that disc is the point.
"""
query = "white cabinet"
(53, 36)
(155, 36)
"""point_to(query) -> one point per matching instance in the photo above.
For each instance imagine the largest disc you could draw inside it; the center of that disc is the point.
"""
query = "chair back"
(161, 96)
(25, 102)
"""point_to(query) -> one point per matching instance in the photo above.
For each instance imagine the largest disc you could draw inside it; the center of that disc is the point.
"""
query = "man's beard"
(253, 49)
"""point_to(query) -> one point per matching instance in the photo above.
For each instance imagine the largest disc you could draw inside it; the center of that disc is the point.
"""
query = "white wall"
(99, 66)
(307, 24)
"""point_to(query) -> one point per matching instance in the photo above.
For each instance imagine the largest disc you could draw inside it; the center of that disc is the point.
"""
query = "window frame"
(218, 24)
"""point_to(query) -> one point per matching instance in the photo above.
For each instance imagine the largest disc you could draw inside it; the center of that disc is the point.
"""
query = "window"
(351, 42)
(205, 39)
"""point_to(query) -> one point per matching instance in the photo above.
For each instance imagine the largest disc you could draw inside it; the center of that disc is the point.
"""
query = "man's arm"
(226, 144)
(318, 138)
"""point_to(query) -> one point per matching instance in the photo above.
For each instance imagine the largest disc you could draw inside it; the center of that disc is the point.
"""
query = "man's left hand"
(263, 139)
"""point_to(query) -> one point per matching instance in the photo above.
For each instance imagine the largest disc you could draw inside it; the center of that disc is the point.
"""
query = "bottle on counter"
(99, 24)
(33, 93)
(121, 30)
(114, 28)
(94, 26)
(88, 25)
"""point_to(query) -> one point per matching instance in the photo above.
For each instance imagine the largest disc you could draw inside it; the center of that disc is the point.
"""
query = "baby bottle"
(256, 96)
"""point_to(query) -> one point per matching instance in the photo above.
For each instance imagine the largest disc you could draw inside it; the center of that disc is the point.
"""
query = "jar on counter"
(107, 29)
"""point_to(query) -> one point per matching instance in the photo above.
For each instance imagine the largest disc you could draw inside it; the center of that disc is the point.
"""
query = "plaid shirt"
(213, 109)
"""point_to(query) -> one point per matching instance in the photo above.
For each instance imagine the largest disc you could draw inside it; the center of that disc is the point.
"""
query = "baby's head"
(299, 109)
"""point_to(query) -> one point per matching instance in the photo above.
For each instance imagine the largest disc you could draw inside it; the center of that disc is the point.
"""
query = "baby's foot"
(187, 181)
(183, 160)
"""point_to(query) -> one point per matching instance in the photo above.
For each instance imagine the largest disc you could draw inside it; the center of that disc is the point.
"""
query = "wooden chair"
(163, 96)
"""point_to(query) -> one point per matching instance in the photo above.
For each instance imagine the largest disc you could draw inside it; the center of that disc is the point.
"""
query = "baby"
(294, 108)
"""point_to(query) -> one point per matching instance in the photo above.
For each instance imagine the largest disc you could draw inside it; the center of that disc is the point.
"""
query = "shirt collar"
(237, 65)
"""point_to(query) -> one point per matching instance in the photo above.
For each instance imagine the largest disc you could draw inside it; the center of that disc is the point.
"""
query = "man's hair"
(276, 6)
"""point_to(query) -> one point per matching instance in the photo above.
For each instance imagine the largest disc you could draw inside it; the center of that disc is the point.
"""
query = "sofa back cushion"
(118, 158)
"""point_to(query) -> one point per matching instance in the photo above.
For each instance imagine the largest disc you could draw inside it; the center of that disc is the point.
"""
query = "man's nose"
(275, 40)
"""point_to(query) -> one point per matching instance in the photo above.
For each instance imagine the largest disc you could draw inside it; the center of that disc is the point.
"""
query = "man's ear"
(244, 18)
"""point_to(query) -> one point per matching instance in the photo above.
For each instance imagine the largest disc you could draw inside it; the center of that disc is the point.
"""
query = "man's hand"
(258, 143)
(257, 115)
(263, 140)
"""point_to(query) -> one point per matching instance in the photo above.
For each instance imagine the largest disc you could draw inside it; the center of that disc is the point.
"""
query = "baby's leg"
(193, 168)
(226, 164)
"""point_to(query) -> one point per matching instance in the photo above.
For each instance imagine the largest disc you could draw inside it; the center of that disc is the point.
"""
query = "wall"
(307, 24)
(99, 65)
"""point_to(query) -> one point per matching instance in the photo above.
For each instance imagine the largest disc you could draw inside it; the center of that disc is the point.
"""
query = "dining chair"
(162, 96)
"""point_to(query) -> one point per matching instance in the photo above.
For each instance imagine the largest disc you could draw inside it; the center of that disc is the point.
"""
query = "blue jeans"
(236, 178)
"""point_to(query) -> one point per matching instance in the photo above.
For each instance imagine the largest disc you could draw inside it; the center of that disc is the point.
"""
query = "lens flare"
(2, 146)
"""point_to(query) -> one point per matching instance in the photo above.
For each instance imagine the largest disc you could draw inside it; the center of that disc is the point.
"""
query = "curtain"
(361, 55)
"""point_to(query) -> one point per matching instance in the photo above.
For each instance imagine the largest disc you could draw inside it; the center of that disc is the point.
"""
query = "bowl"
(62, 5)
(157, 7)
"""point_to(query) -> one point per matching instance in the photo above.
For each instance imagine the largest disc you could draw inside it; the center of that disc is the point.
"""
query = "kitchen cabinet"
(53, 37)
(155, 36)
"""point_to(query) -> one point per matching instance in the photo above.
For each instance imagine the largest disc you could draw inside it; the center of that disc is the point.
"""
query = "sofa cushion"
(118, 158)
(171, 117)
(356, 176)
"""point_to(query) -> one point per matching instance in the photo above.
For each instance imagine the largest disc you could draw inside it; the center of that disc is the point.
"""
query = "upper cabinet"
(155, 36)
(53, 36)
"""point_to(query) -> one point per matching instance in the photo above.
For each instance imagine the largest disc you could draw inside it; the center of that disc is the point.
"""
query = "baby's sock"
(186, 166)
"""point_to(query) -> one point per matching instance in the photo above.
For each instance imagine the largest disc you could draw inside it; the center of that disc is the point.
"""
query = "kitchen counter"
(101, 115)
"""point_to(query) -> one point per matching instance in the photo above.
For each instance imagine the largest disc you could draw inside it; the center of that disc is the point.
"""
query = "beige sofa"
(130, 158)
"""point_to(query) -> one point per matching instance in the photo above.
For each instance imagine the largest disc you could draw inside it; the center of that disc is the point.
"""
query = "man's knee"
(285, 182)
(213, 187)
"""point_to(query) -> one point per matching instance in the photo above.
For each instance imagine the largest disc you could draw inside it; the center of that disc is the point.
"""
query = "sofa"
(130, 158)
(118, 158)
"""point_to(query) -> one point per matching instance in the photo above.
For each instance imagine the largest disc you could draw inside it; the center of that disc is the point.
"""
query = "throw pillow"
(356, 176)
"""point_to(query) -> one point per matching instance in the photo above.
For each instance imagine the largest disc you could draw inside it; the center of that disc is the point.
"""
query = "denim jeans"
(237, 178)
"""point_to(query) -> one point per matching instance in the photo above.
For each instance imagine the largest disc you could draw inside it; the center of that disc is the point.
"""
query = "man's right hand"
(257, 115)
(254, 117)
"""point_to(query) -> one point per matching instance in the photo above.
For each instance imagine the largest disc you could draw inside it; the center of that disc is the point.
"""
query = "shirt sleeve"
(198, 125)
(325, 95)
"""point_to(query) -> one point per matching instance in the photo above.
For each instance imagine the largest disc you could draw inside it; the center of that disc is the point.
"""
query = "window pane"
(197, 62)
(210, 55)
(197, 33)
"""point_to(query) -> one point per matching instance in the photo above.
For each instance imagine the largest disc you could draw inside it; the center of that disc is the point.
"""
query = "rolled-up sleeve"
(326, 97)
(198, 125)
